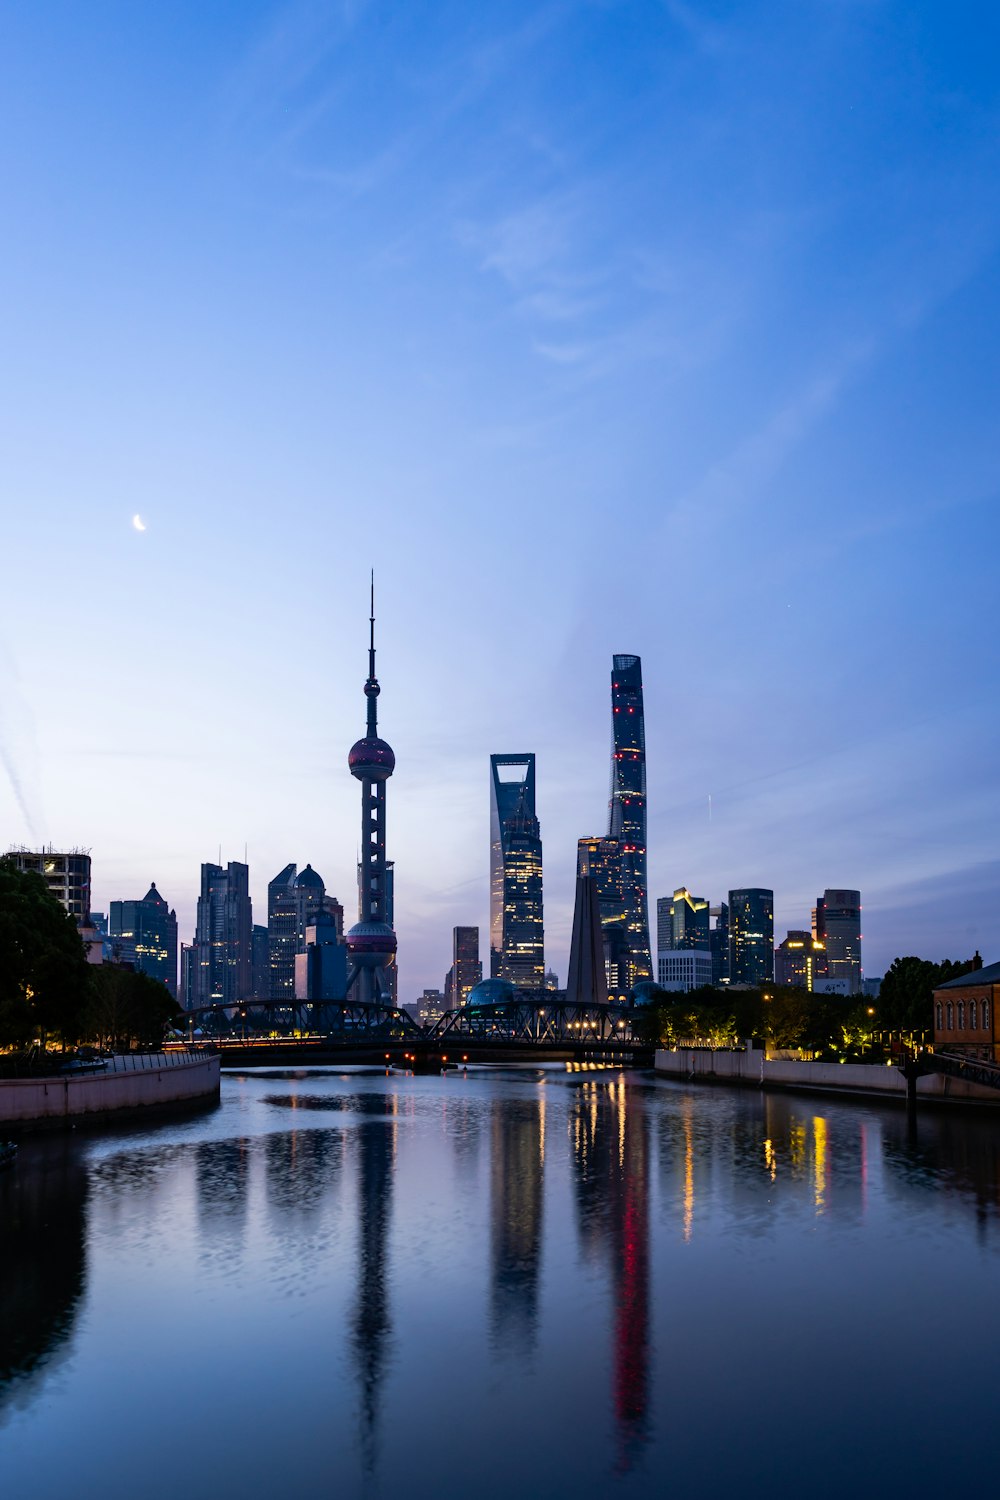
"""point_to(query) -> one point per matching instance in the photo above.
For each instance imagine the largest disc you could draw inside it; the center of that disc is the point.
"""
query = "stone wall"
(132, 1083)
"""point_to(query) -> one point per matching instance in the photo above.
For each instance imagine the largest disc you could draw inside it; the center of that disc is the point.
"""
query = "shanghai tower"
(371, 942)
(617, 863)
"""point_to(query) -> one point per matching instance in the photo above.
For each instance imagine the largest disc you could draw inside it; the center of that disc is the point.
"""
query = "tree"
(127, 1009)
(44, 974)
(905, 1001)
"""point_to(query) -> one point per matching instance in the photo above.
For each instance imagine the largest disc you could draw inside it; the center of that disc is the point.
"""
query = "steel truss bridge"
(268, 1032)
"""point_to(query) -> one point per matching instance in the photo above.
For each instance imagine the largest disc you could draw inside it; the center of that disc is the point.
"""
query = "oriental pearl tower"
(371, 942)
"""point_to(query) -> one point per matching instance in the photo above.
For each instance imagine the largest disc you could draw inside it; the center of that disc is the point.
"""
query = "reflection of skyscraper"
(608, 1132)
(516, 1196)
(222, 962)
(618, 863)
(751, 936)
(516, 925)
(371, 1326)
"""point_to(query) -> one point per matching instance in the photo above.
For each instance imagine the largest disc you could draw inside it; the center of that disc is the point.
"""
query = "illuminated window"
(986, 1015)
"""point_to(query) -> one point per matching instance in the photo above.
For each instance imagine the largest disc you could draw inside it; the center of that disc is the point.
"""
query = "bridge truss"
(341, 1021)
(554, 1023)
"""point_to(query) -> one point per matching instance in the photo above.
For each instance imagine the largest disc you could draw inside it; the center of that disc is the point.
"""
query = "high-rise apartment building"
(800, 960)
(66, 875)
(466, 967)
(837, 924)
(223, 940)
(144, 934)
(617, 863)
(516, 920)
(751, 936)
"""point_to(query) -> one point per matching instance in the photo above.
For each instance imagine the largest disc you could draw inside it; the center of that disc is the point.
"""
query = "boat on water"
(8, 1154)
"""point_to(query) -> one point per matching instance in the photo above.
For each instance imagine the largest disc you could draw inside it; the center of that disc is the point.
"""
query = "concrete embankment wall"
(752, 1069)
(131, 1085)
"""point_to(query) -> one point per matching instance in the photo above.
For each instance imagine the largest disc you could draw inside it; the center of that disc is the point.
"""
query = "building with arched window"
(965, 1013)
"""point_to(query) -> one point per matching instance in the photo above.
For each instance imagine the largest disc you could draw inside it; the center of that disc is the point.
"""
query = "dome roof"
(372, 757)
(491, 992)
(309, 877)
(371, 937)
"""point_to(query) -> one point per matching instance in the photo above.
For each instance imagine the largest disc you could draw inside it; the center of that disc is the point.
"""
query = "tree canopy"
(44, 974)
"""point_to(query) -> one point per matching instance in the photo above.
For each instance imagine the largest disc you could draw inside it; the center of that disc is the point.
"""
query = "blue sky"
(595, 327)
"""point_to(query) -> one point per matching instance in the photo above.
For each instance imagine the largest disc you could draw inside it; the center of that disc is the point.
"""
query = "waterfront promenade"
(131, 1083)
(752, 1069)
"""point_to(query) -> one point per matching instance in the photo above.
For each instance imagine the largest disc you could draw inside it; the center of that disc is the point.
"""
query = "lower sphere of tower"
(371, 942)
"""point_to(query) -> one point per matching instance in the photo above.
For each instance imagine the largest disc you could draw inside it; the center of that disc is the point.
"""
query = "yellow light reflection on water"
(819, 1162)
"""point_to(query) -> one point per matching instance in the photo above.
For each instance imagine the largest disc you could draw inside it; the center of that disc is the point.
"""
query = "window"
(938, 1019)
(986, 1015)
(951, 1016)
(961, 1015)
(973, 1016)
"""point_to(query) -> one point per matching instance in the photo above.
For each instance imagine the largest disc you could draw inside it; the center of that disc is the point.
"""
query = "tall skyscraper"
(617, 863)
(751, 936)
(66, 875)
(282, 933)
(719, 943)
(516, 922)
(466, 968)
(837, 924)
(371, 942)
(145, 933)
(222, 964)
(260, 963)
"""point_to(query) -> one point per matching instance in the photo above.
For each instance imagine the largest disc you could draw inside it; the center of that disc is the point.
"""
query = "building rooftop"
(989, 975)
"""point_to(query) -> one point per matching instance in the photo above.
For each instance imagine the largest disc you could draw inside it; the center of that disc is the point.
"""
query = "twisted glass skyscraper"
(617, 863)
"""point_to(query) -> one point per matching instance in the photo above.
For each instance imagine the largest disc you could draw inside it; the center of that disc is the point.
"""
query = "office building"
(282, 933)
(430, 1007)
(143, 935)
(684, 969)
(719, 943)
(617, 863)
(260, 962)
(188, 979)
(223, 941)
(751, 936)
(371, 942)
(321, 967)
(800, 960)
(466, 968)
(683, 920)
(516, 920)
(837, 924)
(67, 876)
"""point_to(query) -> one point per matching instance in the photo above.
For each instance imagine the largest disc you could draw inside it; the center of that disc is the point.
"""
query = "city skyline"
(701, 310)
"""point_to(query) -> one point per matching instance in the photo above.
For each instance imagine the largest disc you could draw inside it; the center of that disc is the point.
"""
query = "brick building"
(965, 1014)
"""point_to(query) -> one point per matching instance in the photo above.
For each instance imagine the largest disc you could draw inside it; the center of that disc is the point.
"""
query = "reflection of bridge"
(269, 1033)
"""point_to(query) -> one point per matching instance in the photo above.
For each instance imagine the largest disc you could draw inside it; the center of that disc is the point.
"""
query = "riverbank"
(133, 1084)
(751, 1069)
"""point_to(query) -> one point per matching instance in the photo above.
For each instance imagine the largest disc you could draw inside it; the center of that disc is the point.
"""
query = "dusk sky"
(668, 328)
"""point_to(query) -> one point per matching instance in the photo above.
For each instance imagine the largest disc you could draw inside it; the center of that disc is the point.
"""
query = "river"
(536, 1283)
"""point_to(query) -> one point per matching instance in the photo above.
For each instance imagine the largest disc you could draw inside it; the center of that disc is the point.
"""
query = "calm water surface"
(539, 1283)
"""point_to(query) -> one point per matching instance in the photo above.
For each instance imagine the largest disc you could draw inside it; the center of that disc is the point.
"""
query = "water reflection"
(42, 1256)
(517, 1162)
(302, 1167)
(371, 1328)
(610, 1142)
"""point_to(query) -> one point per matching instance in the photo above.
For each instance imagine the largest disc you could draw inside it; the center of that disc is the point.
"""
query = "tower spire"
(371, 686)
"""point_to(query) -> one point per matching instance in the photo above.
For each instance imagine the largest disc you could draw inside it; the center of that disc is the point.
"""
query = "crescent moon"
(138, 523)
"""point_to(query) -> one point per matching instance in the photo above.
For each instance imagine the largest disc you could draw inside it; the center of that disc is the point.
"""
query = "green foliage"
(905, 1000)
(127, 1009)
(44, 974)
